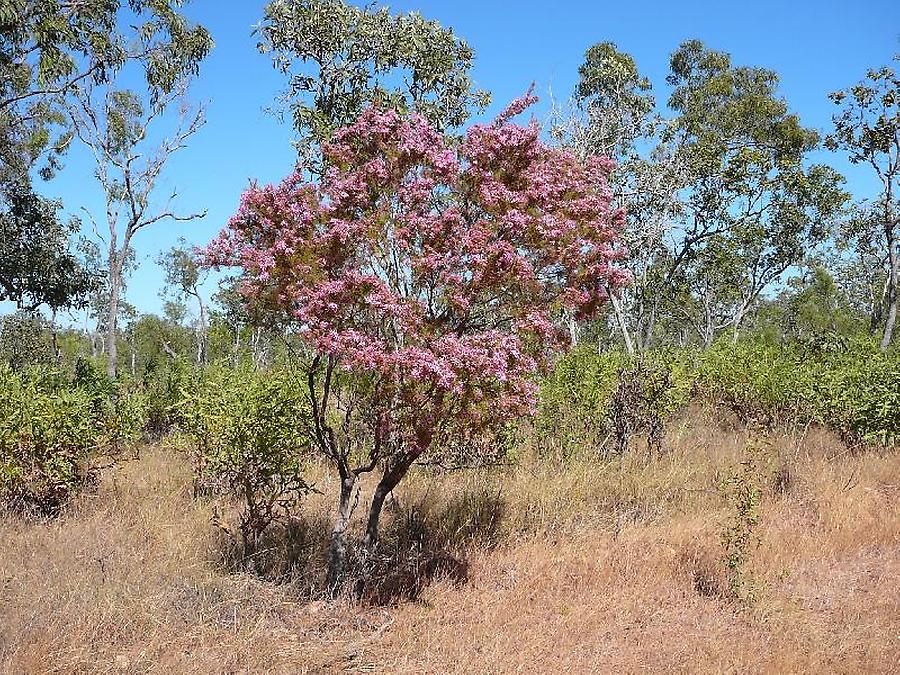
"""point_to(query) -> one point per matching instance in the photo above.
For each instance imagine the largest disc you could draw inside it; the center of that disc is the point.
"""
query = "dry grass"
(589, 567)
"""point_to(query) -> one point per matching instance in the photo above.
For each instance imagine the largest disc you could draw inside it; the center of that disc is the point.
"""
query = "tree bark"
(878, 304)
(337, 555)
(392, 476)
(573, 331)
(738, 321)
(892, 298)
(112, 352)
(202, 347)
(623, 326)
(890, 233)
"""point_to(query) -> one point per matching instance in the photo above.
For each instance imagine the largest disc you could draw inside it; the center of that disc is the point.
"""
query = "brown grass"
(588, 567)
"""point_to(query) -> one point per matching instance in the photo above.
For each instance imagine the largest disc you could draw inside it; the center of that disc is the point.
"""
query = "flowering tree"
(425, 277)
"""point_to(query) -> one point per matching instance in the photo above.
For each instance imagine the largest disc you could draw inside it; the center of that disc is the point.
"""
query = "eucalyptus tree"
(49, 46)
(867, 127)
(59, 62)
(38, 266)
(338, 58)
(183, 280)
(719, 199)
(118, 128)
(613, 114)
(753, 208)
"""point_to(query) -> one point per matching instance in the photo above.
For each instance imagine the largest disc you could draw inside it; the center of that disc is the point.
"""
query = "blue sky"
(815, 46)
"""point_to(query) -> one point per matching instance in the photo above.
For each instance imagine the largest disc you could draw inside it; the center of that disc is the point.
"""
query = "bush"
(591, 395)
(844, 384)
(847, 385)
(163, 387)
(247, 432)
(51, 432)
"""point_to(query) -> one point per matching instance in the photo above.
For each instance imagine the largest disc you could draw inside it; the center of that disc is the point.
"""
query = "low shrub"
(54, 430)
(247, 432)
(163, 387)
(847, 385)
(591, 397)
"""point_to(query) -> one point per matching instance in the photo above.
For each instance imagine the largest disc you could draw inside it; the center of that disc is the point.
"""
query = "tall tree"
(183, 280)
(118, 126)
(613, 114)
(54, 56)
(753, 209)
(868, 129)
(49, 46)
(339, 58)
(38, 266)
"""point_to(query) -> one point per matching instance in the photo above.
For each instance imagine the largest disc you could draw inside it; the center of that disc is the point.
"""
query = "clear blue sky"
(815, 46)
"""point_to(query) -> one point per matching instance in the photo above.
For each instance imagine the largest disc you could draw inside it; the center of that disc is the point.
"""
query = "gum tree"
(183, 281)
(868, 129)
(753, 207)
(339, 58)
(120, 129)
(426, 279)
(48, 47)
(59, 64)
(613, 113)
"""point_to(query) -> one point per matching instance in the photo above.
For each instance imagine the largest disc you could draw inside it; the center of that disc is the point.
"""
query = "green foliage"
(585, 398)
(340, 57)
(845, 384)
(163, 384)
(52, 430)
(247, 431)
(25, 341)
(610, 87)
(816, 306)
(754, 378)
(867, 128)
(48, 46)
(743, 491)
(753, 206)
(37, 265)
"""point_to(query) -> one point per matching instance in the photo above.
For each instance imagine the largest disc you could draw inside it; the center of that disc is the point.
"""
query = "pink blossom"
(437, 265)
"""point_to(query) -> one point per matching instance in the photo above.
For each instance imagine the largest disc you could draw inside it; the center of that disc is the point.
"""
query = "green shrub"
(847, 385)
(856, 391)
(51, 432)
(163, 387)
(247, 431)
(592, 395)
(574, 399)
(743, 491)
(761, 382)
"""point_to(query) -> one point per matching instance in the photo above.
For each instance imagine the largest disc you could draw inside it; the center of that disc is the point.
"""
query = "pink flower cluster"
(438, 265)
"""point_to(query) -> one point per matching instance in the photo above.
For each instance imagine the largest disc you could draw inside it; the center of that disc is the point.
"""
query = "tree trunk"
(202, 332)
(737, 322)
(57, 352)
(112, 353)
(623, 326)
(236, 351)
(892, 298)
(337, 555)
(392, 476)
(890, 234)
(573, 331)
(878, 303)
